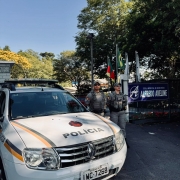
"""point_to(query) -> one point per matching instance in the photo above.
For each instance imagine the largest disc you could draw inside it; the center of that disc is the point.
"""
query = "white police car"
(47, 134)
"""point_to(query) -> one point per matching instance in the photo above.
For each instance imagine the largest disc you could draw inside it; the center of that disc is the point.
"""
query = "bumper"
(21, 172)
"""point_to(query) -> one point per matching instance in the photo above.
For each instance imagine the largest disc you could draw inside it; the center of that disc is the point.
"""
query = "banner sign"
(147, 91)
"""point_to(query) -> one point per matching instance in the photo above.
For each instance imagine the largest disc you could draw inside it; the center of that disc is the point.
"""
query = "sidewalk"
(154, 152)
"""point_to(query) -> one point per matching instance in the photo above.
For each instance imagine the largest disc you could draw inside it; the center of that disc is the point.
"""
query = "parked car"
(47, 134)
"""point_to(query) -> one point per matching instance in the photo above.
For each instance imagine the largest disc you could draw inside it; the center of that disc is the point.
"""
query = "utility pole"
(90, 36)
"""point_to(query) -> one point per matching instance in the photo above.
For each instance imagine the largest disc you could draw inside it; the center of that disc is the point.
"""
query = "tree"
(18, 59)
(150, 27)
(154, 31)
(107, 20)
(6, 48)
(47, 55)
(68, 67)
(41, 68)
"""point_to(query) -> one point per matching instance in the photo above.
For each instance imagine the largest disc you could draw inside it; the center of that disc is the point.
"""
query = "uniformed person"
(117, 103)
(96, 100)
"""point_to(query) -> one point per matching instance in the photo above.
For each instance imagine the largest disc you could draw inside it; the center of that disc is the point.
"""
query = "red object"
(75, 123)
(112, 75)
(110, 71)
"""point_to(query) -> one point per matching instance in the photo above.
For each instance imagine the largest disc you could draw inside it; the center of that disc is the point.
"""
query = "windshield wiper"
(38, 115)
(51, 113)
(20, 117)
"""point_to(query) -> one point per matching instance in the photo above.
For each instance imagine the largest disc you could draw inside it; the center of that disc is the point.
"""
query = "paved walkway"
(154, 152)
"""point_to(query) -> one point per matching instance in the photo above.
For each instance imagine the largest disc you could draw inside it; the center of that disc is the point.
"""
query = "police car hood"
(63, 130)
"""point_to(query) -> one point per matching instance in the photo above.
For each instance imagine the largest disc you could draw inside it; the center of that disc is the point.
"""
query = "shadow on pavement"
(154, 152)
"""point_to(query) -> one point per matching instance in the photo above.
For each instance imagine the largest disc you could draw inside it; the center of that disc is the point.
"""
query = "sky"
(40, 25)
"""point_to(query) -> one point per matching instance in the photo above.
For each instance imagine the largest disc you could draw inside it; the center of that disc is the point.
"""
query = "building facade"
(5, 70)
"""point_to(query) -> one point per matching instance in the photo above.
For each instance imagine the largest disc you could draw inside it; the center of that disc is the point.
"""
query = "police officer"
(96, 100)
(117, 103)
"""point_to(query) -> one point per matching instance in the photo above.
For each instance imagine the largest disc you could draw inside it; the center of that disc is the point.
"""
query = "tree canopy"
(41, 67)
(69, 67)
(106, 19)
(18, 59)
(150, 27)
(153, 31)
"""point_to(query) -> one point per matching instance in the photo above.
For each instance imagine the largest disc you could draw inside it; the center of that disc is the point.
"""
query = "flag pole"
(137, 67)
(125, 83)
(116, 63)
(127, 65)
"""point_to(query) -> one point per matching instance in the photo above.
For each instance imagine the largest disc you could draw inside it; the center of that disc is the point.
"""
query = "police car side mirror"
(1, 118)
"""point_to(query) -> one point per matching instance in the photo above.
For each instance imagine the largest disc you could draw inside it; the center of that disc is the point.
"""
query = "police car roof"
(12, 84)
(36, 89)
(30, 81)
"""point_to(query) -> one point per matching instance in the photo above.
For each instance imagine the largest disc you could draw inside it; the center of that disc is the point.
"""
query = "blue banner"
(147, 91)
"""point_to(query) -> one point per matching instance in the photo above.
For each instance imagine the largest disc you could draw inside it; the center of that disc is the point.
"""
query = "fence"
(160, 109)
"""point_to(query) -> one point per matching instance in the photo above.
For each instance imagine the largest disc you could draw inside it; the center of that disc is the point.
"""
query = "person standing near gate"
(117, 103)
(96, 100)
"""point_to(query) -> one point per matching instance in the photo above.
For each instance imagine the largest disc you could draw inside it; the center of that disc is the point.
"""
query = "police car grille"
(78, 154)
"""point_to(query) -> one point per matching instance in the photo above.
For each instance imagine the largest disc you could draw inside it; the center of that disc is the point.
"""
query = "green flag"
(120, 61)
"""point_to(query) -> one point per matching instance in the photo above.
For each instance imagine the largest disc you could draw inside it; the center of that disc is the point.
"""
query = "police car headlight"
(43, 159)
(119, 140)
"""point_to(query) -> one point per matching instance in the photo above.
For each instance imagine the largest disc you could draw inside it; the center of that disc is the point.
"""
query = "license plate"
(95, 173)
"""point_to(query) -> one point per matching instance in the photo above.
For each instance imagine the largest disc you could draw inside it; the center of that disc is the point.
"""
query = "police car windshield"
(33, 104)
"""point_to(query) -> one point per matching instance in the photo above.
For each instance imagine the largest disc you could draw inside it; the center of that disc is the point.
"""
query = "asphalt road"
(154, 152)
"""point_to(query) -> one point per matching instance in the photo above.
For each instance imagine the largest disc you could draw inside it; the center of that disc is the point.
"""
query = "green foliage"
(6, 48)
(47, 55)
(68, 67)
(150, 27)
(107, 20)
(41, 68)
(19, 60)
(153, 30)
(66, 84)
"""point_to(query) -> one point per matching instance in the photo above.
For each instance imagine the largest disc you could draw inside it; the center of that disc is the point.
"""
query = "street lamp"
(90, 36)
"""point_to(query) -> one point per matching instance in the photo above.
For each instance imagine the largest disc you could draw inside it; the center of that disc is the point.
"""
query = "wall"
(5, 69)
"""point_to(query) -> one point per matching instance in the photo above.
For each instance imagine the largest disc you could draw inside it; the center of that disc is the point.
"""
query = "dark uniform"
(117, 105)
(96, 101)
